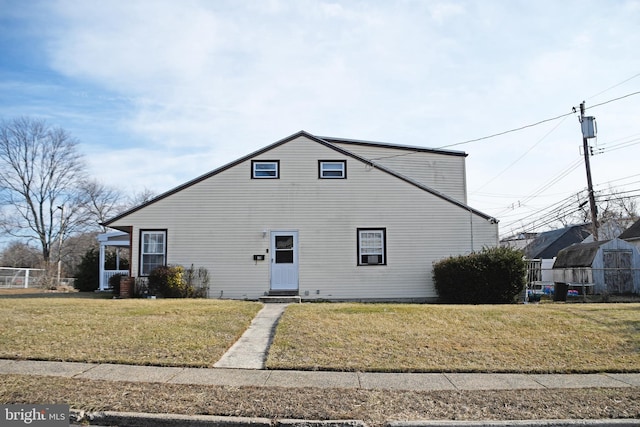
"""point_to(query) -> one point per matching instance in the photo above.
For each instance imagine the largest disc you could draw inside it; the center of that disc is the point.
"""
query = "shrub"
(114, 283)
(88, 277)
(197, 279)
(176, 282)
(492, 276)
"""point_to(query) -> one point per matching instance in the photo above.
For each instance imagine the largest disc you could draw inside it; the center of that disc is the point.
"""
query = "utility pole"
(60, 241)
(588, 131)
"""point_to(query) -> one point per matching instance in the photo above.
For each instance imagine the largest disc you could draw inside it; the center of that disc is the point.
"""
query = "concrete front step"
(281, 299)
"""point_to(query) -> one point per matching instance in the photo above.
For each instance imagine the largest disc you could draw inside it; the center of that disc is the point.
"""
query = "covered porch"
(119, 240)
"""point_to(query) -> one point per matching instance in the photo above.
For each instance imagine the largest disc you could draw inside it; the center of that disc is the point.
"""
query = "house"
(518, 241)
(547, 244)
(610, 266)
(543, 250)
(632, 234)
(322, 218)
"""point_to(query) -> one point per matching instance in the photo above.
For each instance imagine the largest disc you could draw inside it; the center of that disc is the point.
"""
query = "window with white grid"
(153, 250)
(372, 246)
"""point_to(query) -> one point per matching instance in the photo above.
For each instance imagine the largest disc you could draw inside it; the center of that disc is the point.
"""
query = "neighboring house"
(610, 266)
(518, 241)
(319, 217)
(548, 244)
(545, 247)
(632, 234)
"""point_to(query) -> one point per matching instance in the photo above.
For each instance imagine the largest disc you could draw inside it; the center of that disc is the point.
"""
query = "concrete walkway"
(250, 351)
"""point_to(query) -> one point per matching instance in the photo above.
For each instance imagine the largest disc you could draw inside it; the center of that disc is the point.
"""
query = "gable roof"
(578, 255)
(548, 244)
(327, 144)
(393, 146)
(631, 233)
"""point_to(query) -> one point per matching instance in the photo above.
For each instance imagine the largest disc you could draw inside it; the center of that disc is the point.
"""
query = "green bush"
(492, 276)
(176, 282)
(114, 283)
(88, 276)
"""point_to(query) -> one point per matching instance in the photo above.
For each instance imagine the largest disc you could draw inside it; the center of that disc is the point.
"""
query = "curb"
(134, 419)
(521, 423)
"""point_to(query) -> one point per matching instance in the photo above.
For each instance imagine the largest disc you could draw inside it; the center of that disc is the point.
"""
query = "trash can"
(560, 291)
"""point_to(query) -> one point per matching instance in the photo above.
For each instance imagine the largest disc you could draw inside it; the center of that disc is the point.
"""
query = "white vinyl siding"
(442, 172)
(220, 222)
(152, 250)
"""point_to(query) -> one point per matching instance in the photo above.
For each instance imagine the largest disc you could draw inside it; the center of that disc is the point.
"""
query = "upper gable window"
(265, 169)
(332, 169)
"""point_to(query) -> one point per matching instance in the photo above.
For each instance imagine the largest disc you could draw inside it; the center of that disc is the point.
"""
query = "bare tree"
(100, 202)
(40, 173)
(140, 198)
(21, 255)
(617, 210)
(74, 248)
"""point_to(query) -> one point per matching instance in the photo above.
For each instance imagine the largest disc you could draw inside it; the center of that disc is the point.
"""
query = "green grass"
(434, 338)
(169, 332)
(343, 337)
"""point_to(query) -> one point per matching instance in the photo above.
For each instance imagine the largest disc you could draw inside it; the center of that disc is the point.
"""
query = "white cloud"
(441, 12)
(196, 84)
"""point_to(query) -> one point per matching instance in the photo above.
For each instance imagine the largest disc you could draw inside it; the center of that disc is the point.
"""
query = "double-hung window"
(265, 169)
(329, 169)
(372, 246)
(153, 250)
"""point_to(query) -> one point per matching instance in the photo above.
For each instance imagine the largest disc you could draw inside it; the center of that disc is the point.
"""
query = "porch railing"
(107, 274)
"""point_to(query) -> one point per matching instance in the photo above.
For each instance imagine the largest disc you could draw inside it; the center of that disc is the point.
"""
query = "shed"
(611, 266)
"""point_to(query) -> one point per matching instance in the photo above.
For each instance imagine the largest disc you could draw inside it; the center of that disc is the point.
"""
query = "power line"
(549, 210)
(564, 208)
(616, 147)
(509, 131)
(522, 156)
(573, 111)
(621, 179)
(574, 165)
(612, 100)
(614, 86)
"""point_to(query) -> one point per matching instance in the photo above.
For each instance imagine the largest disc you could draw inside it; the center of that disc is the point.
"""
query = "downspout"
(471, 227)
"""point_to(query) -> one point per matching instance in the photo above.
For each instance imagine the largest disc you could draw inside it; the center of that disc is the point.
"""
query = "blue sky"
(159, 92)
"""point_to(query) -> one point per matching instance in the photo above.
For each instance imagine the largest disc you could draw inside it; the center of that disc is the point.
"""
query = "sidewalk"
(319, 379)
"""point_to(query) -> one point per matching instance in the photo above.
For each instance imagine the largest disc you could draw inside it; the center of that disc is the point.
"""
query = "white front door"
(284, 260)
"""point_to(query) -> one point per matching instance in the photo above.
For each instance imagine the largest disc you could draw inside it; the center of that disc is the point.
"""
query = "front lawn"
(444, 338)
(170, 332)
(355, 337)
